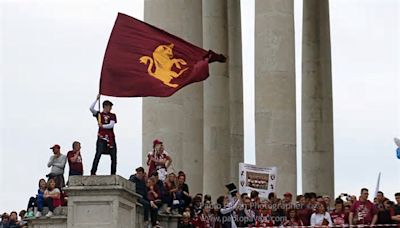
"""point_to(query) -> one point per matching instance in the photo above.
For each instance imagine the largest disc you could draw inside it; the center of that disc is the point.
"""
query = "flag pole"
(98, 115)
(377, 184)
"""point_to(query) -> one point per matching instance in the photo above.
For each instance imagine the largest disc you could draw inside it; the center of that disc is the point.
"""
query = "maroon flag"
(142, 60)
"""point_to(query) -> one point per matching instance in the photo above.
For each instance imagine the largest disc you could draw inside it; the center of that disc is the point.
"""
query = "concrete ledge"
(57, 211)
(62, 211)
(44, 222)
(102, 185)
(93, 189)
(102, 180)
(170, 221)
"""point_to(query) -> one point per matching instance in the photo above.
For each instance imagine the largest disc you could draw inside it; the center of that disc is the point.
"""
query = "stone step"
(59, 221)
(59, 211)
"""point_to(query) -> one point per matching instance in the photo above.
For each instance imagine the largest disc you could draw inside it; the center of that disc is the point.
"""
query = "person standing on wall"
(105, 137)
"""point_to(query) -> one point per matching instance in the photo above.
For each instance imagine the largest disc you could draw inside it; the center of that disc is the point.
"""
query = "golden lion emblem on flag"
(163, 61)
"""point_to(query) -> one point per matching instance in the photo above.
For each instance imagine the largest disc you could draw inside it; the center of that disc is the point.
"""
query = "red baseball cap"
(56, 146)
(155, 142)
(287, 194)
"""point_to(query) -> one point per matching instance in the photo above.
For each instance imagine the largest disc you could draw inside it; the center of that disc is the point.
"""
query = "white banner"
(261, 179)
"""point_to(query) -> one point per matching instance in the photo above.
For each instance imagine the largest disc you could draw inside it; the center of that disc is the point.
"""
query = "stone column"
(275, 91)
(101, 201)
(317, 110)
(177, 120)
(216, 101)
(235, 89)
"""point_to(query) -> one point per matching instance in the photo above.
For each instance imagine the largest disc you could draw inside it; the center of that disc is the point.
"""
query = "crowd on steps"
(167, 193)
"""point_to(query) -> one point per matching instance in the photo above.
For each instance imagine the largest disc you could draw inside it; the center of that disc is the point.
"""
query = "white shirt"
(161, 169)
(232, 205)
(317, 219)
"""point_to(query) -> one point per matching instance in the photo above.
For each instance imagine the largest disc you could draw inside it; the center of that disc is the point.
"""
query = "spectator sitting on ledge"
(38, 201)
(162, 192)
(140, 183)
(170, 190)
(155, 202)
(183, 191)
(52, 197)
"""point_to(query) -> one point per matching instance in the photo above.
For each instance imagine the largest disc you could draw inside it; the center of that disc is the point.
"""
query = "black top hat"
(232, 188)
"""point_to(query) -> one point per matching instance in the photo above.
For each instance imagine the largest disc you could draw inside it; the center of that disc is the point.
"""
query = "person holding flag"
(105, 137)
(141, 61)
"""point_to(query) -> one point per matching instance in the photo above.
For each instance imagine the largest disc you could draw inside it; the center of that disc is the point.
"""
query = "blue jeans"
(146, 208)
(181, 198)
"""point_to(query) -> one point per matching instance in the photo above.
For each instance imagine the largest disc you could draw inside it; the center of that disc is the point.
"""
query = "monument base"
(100, 202)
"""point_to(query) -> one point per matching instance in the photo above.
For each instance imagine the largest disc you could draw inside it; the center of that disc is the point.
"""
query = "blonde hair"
(49, 182)
(186, 214)
(153, 180)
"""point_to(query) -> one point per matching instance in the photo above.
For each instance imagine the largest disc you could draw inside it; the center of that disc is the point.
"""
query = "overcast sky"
(366, 93)
(51, 54)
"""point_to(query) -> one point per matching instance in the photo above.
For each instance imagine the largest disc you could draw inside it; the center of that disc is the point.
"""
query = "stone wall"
(99, 201)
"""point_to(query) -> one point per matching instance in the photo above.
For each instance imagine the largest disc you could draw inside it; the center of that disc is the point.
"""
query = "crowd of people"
(11, 220)
(172, 197)
(167, 193)
(49, 194)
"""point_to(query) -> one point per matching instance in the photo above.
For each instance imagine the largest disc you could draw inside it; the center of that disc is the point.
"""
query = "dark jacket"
(183, 225)
(2, 225)
(13, 224)
(161, 188)
(141, 187)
